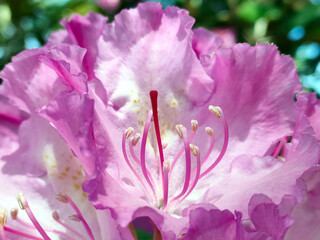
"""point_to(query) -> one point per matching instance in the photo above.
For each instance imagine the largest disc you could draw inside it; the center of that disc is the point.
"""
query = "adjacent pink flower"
(36, 161)
(144, 159)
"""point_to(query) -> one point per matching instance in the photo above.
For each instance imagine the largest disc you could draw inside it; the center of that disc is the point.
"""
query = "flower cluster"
(146, 123)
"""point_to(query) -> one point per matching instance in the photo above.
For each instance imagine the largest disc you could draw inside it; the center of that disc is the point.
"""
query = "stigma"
(160, 192)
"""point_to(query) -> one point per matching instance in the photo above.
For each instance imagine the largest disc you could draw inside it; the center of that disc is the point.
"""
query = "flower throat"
(192, 176)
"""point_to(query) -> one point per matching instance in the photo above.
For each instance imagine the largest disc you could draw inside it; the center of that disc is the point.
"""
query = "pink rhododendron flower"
(35, 162)
(169, 126)
(144, 159)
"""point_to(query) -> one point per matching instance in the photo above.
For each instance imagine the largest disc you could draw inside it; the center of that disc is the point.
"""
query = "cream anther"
(128, 132)
(282, 159)
(164, 145)
(166, 166)
(55, 216)
(3, 217)
(209, 131)
(21, 201)
(135, 139)
(179, 130)
(194, 125)
(62, 198)
(194, 150)
(216, 111)
(75, 218)
(14, 213)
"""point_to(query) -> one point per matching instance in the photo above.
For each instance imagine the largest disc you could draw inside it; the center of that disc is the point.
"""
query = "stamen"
(164, 145)
(56, 217)
(65, 235)
(218, 112)
(188, 163)
(21, 234)
(143, 154)
(3, 221)
(179, 131)
(209, 131)
(80, 216)
(74, 218)
(182, 148)
(25, 206)
(194, 125)
(135, 139)
(279, 147)
(14, 213)
(136, 159)
(215, 110)
(195, 151)
(128, 132)
(124, 152)
(166, 169)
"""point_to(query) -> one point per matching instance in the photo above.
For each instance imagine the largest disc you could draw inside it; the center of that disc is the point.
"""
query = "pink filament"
(180, 152)
(128, 162)
(67, 236)
(224, 147)
(7, 229)
(70, 228)
(165, 186)
(188, 164)
(35, 221)
(80, 216)
(136, 159)
(143, 153)
(195, 181)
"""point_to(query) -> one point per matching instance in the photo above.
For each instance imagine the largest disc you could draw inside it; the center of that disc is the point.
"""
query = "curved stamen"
(80, 216)
(143, 153)
(25, 206)
(180, 153)
(21, 234)
(136, 159)
(56, 217)
(3, 221)
(218, 112)
(166, 169)
(188, 163)
(63, 234)
(124, 152)
(195, 152)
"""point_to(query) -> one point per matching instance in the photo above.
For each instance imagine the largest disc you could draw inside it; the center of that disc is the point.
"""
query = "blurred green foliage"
(292, 25)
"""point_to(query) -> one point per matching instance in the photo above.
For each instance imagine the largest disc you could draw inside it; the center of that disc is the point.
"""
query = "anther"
(128, 132)
(14, 213)
(282, 159)
(166, 166)
(194, 150)
(194, 125)
(62, 198)
(164, 145)
(21, 200)
(3, 217)
(209, 131)
(215, 110)
(55, 216)
(179, 130)
(135, 139)
(75, 218)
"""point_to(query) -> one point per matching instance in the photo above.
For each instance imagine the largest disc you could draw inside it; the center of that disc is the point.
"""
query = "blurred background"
(293, 25)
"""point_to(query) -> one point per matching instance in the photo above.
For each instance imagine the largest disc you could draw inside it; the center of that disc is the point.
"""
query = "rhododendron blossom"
(171, 128)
